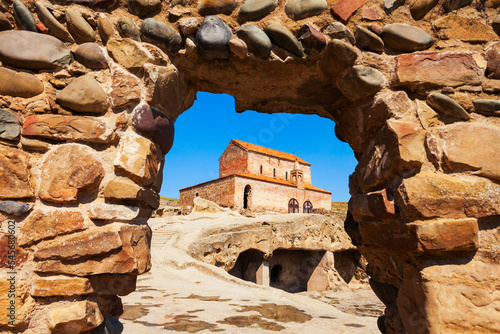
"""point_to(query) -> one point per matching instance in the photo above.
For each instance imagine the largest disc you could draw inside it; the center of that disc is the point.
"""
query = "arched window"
(307, 208)
(293, 206)
(197, 194)
(260, 169)
(246, 196)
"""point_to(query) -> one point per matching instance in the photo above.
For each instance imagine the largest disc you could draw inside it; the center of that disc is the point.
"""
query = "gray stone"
(360, 82)
(257, 41)
(20, 84)
(213, 38)
(339, 31)
(14, 208)
(29, 50)
(128, 28)
(10, 128)
(24, 15)
(282, 37)
(143, 8)
(300, 9)
(487, 106)
(496, 24)
(79, 28)
(83, 94)
(446, 105)
(91, 55)
(213, 7)
(161, 34)
(55, 27)
(404, 37)
(368, 40)
(253, 10)
(418, 8)
(4, 22)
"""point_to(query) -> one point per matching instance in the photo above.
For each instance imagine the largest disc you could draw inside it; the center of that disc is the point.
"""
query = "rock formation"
(84, 129)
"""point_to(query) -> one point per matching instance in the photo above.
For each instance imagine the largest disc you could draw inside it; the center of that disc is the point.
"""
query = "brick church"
(260, 179)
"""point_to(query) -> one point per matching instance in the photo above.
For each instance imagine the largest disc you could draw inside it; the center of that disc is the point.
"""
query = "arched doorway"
(293, 206)
(246, 196)
(307, 207)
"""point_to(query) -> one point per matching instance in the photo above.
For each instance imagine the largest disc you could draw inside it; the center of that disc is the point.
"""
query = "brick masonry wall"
(255, 160)
(233, 161)
(220, 191)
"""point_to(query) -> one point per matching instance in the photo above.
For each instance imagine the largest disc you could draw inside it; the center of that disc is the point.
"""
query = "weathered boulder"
(84, 94)
(360, 82)
(14, 173)
(257, 41)
(55, 27)
(124, 189)
(79, 28)
(67, 170)
(284, 38)
(76, 317)
(213, 38)
(301, 9)
(161, 34)
(255, 9)
(17, 49)
(407, 38)
(91, 55)
(113, 212)
(143, 8)
(10, 128)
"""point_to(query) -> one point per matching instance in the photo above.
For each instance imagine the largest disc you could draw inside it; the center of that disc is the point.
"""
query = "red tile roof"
(284, 182)
(268, 151)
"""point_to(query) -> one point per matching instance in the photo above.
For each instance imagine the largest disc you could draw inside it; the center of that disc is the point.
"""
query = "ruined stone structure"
(260, 179)
(411, 86)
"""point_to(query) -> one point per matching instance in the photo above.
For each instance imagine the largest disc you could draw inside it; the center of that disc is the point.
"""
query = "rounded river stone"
(55, 28)
(19, 83)
(161, 34)
(496, 24)
(360, 82)
(446, 105)
(4, 22)
(143, 8)
(487, 106)
(24, 15)
(14, 208)
(257, 41)
(368, 40)
(83, 94)
(152, 123)
(404, 37)
(10, 128)
(301, 9)
(91, 55)
(213, 38)
(253, 10)
(213, 7)
(128, 28)
(79, 28)
(29, 50)
(339, 31)
(282, 37)
(418, 8)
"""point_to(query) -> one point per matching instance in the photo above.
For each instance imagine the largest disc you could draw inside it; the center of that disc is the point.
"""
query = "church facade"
(260, 179)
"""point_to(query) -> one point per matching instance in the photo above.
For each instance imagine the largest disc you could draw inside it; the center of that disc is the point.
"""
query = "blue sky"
(203, 132)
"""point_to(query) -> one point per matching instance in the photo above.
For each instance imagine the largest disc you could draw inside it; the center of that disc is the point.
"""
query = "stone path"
(181, 294)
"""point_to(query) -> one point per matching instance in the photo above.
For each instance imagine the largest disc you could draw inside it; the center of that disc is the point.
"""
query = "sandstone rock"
(152, 123)
(469, 151)
(125, 87)
(213, 7)
(431, 69)
(201, 205)
(177, 12)
(24, 15)
(40, 225)
(24, 303)
(143, 8)
(14, 173)
(365, 39)
(253, 10)
(16, 49)
(105, 28)
(4, 22)
(55, 27)
(76, 318)
(9, 123)
(213, 39)
(238, 47)
(429, 194)
(283, 38)
(91, 55)
(137, 157)
(161, 34)
(14, 208)
(67, 169)
(311, 38)
(345, 8)
(427, 116)
(377, 205)
(72, 128)
(371, 14)
(340, 31)
(121, 188)
(407, 38)
(59, 285)
(84, 94)
(79, 28)
(188, 26)
(107, 284)
(391, 5)
(128, 29)
(454, 5)
(385, 292)
(133, 257)
(398, 149)
(487, 106)
(495, 24)
(301, 9)
(112, 212)
(360, 82)
(257, 41)
(466, 29)
(439, 235)
(19, 83)
(447, 106)
(418, 8)
(7, 240)
(492, 56)
(127, 53)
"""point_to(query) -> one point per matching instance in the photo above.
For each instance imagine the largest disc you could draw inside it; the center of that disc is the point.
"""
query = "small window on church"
(274, 172)
(286, 176)
(260, 169)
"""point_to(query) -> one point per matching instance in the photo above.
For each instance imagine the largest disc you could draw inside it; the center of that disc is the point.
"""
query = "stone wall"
(269, 164)
(220, 191)
(234, 160)
(411, 85)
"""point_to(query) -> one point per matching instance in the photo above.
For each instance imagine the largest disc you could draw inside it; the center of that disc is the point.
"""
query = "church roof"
(268, 151)
(278, 181)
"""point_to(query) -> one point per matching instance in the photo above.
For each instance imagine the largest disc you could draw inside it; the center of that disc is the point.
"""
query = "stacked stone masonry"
(89, 91)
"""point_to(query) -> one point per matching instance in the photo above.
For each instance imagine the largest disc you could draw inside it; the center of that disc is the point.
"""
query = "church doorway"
(307, 208)
(246, 197)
